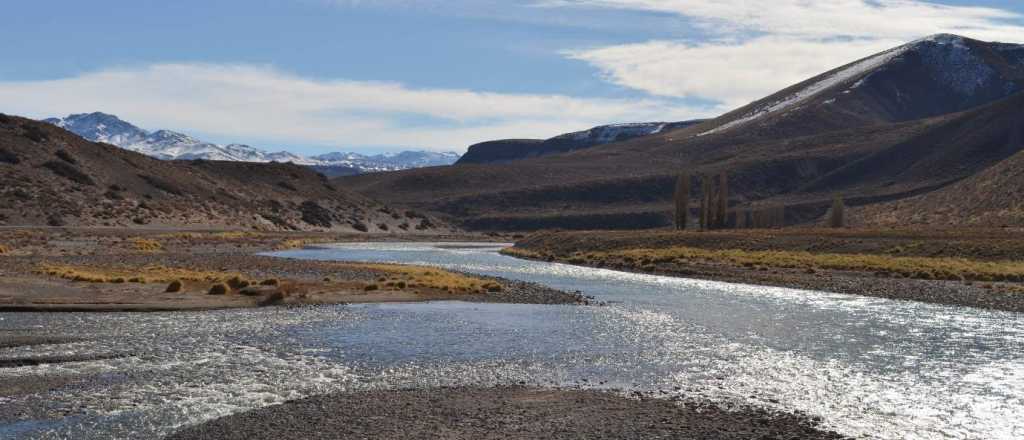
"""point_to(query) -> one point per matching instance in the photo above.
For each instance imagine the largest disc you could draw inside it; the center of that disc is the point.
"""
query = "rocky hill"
(515, 149)
(899, 124)
(50, 176)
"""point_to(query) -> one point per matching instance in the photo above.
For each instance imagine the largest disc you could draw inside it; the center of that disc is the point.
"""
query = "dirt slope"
(49, 176)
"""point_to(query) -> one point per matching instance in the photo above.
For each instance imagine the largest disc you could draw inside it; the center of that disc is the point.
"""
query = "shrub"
(493, 287)
(272, 299)
(34, 133)
(219, 289)
(360, 226)
(161, 184)
(9, 157)
(66, 157)
(4, 249)
(68, 171)
(270, 282)
(314, 214)
(175, 286)
(371, 287)
(238, 282)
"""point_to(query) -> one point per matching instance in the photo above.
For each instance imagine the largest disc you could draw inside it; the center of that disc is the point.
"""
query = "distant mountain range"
(171, 145)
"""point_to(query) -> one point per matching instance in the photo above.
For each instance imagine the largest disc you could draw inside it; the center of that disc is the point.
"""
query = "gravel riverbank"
(498, 414)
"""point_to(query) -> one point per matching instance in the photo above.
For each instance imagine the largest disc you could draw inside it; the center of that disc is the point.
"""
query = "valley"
(838, 259)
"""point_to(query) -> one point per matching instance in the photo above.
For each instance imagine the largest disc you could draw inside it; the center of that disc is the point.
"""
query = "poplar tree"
(682, 201)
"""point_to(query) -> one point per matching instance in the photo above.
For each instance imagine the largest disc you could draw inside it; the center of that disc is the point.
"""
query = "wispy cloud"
(257, 102)
(752, 48)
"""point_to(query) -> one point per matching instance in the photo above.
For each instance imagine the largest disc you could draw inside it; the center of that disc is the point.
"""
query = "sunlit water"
(868, 367)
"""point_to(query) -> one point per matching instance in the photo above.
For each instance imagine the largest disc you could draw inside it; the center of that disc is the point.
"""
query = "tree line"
(714, 212)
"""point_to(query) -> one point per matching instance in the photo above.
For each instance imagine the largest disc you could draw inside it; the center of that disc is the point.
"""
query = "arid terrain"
(977, 268)
(891, 127)
(54, 269)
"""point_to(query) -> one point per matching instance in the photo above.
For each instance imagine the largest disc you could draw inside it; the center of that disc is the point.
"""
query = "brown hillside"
(994, 197)
(51, 176)
(874, 134)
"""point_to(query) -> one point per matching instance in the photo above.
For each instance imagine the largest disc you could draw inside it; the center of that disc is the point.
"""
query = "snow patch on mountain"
(839, 77)
(172, 145)
(607, 134)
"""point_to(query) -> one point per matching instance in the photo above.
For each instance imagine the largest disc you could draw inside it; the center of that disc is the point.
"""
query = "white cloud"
(732, 73)
(253, 102)
(903, 19)
(754, 48)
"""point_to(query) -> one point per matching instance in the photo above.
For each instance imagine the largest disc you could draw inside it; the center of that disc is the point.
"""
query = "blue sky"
(313, 76)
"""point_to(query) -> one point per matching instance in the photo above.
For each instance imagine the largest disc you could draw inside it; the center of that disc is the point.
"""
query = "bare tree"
(682, 200)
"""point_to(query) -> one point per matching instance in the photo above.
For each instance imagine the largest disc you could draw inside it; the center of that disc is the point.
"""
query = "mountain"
(896, 125)
(347, 164)
(515, 149)
(171, 145)
(50, 176)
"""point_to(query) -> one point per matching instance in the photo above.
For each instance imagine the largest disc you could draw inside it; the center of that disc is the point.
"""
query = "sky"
(313, 76)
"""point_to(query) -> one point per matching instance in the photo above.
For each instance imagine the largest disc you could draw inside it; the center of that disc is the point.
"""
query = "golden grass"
(154, 274)
(146, 245)
(223, 235)
(911, 267)
(4, 249)
(299, 243)
(401, 277)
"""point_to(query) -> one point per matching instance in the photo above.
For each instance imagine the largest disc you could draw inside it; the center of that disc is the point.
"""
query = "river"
(868, 367)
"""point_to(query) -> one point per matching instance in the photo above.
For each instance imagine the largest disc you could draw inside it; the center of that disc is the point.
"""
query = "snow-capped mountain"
(172, 145)
(931, 76)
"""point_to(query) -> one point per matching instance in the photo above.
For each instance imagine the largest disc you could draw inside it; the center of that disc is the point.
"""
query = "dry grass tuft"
(270, 282)
(885, 265)
(175, 286)
(146, 245)
(156, 274)
(4, 249)
(430, 278)
(297, 243)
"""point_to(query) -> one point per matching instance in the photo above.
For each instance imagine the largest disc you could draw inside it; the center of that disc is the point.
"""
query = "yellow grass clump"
(911, 267)
(431, 278)
(155, 274)
(146, 245)
(297, 243)
(4, 249)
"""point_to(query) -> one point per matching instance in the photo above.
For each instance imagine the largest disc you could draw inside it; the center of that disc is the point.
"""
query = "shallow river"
(870, 368)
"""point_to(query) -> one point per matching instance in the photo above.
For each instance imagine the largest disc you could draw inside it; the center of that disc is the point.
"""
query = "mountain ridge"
(871, 129)
(172, 145)
(504, 150)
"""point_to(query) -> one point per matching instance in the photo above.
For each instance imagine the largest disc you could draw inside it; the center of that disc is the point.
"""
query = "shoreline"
(579, 250)
(66, 271)
(497, 413)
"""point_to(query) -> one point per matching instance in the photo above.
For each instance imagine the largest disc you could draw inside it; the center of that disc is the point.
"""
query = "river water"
(868, 367)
